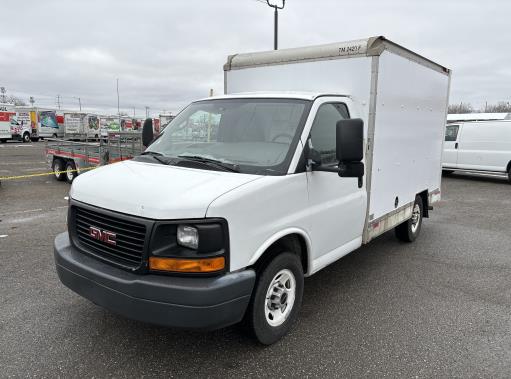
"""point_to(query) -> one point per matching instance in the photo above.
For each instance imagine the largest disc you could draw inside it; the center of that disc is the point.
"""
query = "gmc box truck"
(310, 153)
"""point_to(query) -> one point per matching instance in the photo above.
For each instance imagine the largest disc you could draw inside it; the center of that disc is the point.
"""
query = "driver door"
(337, 206)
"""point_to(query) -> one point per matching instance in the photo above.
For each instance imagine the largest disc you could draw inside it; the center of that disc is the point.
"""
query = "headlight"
(188, 236)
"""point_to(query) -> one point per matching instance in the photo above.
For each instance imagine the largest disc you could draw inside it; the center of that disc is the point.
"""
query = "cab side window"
(323, 130)
(451, 133)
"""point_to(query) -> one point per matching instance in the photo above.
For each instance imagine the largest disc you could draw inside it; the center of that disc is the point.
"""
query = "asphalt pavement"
(440, 307)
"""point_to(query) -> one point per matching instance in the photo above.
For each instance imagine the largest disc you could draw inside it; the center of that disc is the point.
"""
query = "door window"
(324, 129)
(451, 133)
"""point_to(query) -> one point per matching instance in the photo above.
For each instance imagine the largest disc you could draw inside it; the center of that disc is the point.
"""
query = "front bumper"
(182, 302)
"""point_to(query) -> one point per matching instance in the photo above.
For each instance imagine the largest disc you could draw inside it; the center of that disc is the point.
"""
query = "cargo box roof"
(363, 47)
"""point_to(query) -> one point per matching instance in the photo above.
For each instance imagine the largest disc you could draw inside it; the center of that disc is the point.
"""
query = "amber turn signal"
(186, 265)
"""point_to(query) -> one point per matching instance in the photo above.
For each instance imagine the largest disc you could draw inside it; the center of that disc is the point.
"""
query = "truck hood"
(154, 190)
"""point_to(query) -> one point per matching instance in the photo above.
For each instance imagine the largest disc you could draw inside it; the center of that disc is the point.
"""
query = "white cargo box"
(402, 98)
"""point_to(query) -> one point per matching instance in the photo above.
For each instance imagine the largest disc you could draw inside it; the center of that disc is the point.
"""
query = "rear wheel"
(509, 174)
(58, 169)
(3, 140)
(409, 230)
(54, 135)
(26, 137)
(277, 298)
(71, 173)
(447, 172)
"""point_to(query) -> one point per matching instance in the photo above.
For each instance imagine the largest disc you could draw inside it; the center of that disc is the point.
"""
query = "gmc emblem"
(103, 235)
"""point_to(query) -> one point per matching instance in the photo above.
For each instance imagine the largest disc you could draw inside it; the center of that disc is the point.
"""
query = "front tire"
(26, 137)
(409, 230)
(277, 298)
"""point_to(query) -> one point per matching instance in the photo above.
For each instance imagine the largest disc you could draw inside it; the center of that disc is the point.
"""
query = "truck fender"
(275, 237)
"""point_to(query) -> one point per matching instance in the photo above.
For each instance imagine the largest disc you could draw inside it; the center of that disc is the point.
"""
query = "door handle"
(456, 145)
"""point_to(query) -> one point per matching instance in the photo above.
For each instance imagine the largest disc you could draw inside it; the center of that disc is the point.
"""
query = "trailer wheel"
(26, 137)
(71, 173)
(58, 168)
(409, 230)
(277, 298)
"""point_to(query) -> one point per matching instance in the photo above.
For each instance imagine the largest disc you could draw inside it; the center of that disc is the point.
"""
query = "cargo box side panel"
(345, 76)
(408, 135)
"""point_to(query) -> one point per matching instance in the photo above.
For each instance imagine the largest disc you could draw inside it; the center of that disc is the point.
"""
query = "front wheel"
(409, 230)
(277, 298)
(26, 137)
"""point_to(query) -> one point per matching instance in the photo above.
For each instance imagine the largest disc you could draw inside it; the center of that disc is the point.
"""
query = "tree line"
(501, 107)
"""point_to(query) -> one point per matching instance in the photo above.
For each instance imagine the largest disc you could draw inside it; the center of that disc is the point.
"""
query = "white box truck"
(243, 195)
(81, 126)
(15, 124)
(482, 147)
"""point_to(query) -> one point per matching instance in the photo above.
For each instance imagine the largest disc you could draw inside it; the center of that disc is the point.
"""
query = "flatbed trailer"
(68, 159)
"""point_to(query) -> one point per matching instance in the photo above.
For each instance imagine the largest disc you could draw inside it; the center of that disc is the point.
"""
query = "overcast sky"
(169, 52)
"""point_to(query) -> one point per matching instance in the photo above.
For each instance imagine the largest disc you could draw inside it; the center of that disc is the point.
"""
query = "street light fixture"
(275, 5)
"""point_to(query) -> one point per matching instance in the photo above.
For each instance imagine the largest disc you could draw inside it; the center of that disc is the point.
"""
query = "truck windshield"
(258, 136)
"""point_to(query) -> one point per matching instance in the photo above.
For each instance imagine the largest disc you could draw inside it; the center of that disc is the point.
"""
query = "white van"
(243, 195)
(480, 147)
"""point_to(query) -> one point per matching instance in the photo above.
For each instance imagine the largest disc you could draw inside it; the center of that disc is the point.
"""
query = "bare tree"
(461, 108)
(501, 107)
(15, 100)
(3, 91)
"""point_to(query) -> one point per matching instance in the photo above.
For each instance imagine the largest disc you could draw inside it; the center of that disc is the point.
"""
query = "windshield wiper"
(232, 167)
(158, 156)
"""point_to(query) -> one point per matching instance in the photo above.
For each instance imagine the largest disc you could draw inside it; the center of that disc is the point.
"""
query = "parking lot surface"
(440, 307)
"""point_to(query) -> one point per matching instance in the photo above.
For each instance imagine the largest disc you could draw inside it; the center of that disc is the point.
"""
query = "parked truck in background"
(81, 126)
(310, 153)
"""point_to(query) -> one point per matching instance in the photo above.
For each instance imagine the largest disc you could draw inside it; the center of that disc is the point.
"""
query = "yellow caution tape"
(44, 174)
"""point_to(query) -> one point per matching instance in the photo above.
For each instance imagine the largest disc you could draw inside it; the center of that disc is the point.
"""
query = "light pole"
(275, 6)
(79, 102)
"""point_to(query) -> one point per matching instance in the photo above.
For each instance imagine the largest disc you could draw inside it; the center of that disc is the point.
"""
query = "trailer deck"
(69, 158)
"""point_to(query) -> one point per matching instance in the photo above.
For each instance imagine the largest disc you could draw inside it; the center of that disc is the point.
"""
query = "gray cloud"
(167, 53)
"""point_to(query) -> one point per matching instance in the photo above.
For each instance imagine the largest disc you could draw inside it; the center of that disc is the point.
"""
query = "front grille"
(130, 236)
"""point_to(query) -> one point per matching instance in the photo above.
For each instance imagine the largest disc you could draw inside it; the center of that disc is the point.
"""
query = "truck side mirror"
(147, 132)
(350, 148)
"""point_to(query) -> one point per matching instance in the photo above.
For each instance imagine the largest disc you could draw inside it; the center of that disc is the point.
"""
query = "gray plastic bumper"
(181, 302)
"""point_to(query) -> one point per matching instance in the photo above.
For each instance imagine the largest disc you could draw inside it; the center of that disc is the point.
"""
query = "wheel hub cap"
(280, 297)
(416, 215)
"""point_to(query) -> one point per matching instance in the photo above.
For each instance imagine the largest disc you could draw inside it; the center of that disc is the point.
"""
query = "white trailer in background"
(81, 126)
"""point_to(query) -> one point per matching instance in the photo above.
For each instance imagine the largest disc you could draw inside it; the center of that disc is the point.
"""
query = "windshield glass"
(257, 135)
